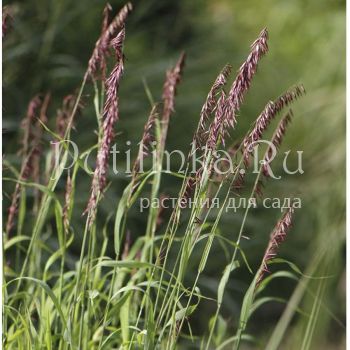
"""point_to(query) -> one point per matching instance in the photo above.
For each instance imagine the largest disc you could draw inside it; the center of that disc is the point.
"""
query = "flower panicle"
(105, 23)
(7, 17)
(217, 131)
(161, 210)
(31, 145)
(228, 106)
(266, 116)
(148, 135)
(281, 130)
(106, 17)
(110, 117)
(27, 123)
(210, 102)
(173, 78)
(65, 112)
(45, 105)
(146, 140)
(67, 203)
(278, 236)
(244, 78)
(277, 140)
(191, 185)
(100, 52)
(115, 25)
(111, 109)
(30, 151)
(290, 96)
(26, 170)
(213, 104)
(127, 245)
(37, 147)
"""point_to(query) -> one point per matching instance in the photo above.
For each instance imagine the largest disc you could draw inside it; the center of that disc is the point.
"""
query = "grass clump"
(140, 296)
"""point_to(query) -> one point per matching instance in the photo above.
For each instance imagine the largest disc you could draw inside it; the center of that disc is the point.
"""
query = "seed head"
(211, 103)
(244, 78)
(101, 50)
(110, 117)
(277, 236)
(271, 110)
(277, 139)
(173, 77)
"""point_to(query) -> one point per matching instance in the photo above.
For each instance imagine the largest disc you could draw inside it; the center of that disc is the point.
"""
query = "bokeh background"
(47, 48)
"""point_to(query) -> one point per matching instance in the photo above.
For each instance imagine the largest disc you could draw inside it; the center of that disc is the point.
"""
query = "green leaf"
(180, 314)
(49, 292)
(13, 241)
(224, 279)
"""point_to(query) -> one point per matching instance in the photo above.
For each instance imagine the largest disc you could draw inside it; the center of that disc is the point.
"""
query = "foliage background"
(48, 47)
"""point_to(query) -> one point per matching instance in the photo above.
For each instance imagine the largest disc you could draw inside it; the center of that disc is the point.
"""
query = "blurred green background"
(47, 49)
